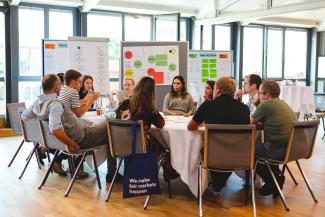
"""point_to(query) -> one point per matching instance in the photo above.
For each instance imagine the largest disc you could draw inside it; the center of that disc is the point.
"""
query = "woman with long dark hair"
(141, 106)
(178, 101)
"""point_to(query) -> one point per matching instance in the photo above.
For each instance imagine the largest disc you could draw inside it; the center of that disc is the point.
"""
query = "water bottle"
(110, 108)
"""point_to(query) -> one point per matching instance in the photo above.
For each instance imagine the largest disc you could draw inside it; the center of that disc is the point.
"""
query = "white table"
(101, 153)
(299, 98)
(185, 147)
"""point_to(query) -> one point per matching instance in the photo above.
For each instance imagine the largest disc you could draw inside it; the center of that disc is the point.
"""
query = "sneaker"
(58, 168)
(110, 175)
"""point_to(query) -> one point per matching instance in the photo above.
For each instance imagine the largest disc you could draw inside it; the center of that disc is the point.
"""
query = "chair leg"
(37, 157)
(306, 181)
(18, 149)
(200, 189)
(96, 169)
(322, 118)
(277, 186)
(247, 187)
(48, 156)
(146, 202)
(253, 192)
(70, 162)
(28, 160)
(285, 166)
(113, 181)
(75, 175)
(49, 169)
(254, 177)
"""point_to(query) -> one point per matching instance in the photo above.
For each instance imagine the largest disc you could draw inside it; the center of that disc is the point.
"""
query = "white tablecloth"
(300, 98)
(101, 153)
(185, 147)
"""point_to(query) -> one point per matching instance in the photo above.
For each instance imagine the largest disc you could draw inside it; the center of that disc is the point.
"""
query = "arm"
(193, 125)
(191, 106)
(83, 109)
(65, 139)
(198, 118)
(157, 120)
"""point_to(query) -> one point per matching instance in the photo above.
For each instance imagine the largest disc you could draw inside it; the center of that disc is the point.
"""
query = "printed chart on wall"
(90, 56)
(207, 65)
(55, 56)
(159, 62)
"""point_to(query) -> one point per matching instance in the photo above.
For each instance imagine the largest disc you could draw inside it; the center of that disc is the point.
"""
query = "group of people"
(64, 105)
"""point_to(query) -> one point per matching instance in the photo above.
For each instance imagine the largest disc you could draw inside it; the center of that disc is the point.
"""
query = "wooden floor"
(22, 198)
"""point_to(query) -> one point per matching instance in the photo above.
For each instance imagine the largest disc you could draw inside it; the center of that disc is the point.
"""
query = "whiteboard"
(207, 65)
(159, 62)
(90, 56)
(55, 56)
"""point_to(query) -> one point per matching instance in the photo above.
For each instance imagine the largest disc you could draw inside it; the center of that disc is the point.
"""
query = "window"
(183, 36)
(28, 91)
(321, 75)
(2, 65)
(30, 42)
(197, 37)
(166, 28)
(274, 53)
(108, 25)
(137, 28)
(207, 37)
(222, 38)
(253, 50)
(295, 54)
(61, 24)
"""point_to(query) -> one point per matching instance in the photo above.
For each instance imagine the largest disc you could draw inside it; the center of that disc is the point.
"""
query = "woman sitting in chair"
(141, 106)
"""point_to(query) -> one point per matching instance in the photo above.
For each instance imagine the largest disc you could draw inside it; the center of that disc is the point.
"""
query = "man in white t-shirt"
(251, 84)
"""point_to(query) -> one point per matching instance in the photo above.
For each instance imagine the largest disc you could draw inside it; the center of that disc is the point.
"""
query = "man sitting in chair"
(277, 118)
(64, 124)
(223, 109)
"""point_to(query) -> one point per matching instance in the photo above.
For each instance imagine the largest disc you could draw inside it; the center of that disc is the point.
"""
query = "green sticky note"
(205, 66)
(205, 60)
(213, 73)
(161, 63)
(161, 57)
(151, 59)
(137, 64)
(213, 66)
(172, 67)
(213, 61)
(192, 55)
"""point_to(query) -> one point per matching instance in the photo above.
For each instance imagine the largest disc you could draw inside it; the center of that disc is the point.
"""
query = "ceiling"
(303, 13)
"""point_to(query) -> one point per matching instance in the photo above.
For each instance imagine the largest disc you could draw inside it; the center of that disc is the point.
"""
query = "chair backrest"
(14, 111)
(31, 130)
(229, 147)
(49, 141)
(120, 137)
(302, 140)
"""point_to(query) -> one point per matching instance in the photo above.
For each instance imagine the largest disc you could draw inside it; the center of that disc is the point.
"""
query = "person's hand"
(73, 149)
(256, 101)
(94, 96)
(238, 94)
(186, 114)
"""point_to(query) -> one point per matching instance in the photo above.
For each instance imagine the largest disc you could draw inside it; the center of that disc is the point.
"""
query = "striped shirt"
(69, 97)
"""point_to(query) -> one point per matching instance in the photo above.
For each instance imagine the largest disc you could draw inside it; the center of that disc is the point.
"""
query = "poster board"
(180, 49)
(90, 56)
(161, 62)
(207, 65)
(55, 56)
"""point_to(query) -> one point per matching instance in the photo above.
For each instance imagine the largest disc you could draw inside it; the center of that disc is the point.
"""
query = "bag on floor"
(140, 172)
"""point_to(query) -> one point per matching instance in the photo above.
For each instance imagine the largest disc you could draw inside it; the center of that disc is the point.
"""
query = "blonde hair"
(226, 85)
(130, 79)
